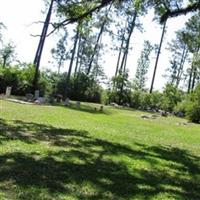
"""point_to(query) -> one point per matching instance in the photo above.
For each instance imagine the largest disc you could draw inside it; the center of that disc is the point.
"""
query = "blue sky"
(19, 16)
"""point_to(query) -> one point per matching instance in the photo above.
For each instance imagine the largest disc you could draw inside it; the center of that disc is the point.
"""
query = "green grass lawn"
(59, 153)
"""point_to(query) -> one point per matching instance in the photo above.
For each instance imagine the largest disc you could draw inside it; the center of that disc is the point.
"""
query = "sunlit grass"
(55, 152)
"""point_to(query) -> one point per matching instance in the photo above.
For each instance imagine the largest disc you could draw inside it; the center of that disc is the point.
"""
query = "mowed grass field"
(55, 152)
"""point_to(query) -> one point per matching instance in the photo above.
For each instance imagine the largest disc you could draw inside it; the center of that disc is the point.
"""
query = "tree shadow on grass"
(84, 167)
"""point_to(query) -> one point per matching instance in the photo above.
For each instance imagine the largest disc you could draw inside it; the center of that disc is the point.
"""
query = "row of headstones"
(67, 103)
(9, 89)
(78, 105)
(38, 98)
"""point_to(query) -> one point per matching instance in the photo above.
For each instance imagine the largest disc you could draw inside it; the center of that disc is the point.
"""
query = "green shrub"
(20, 78)
(193, 112)
(155, 101)
(193, 106)
(9, 77)
(136, 99)
(181, 107)
(80, 88)
(145, 101)
(171, 97)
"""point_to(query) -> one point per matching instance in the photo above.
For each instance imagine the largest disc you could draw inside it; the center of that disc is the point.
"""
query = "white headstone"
(67, 102)
(8, 91)
(37, 94)
(29, 97)
(78, 104)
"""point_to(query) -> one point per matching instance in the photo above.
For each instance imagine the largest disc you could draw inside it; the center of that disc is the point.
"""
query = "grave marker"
(37, 94)
(8, 91)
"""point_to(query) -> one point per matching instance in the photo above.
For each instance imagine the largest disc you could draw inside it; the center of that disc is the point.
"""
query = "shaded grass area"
(40, 161)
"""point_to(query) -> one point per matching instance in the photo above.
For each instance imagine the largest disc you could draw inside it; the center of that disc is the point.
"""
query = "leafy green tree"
(7, 54)
(2, 26)
(81, 88)
(193, 106)
(121, 94)
(179, 50)
(192, 39)
(142, 68)
(60, 53)
(171, 97)
(162, 7)
(20, 79)
(104, 21)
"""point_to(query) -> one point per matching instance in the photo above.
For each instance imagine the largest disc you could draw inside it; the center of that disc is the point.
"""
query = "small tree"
(7, 54)
(2, 26)
(143, 66)
(193, 106)
(59, 53)
(171, 96)
(121, 93)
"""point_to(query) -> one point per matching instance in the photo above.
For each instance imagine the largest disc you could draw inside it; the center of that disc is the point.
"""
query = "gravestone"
(29, 97)
(163, 113)
(8, 91)
(78, 104)
(37, 94)
(101, 109)
(180, 114)
(67, 102)
(41, 100)
(59, 98)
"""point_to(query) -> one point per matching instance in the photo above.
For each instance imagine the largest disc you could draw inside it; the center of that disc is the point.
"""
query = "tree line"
(118, 19)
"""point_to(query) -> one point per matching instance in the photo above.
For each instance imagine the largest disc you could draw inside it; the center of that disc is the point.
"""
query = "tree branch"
(65, 22)
(174, 13)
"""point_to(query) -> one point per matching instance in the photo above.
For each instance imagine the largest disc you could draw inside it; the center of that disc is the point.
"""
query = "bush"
(105, 97)
(181, 107)
(145, 101)
(155, 101)
(193, 106)
(136, 99)
(20, 78)
(80, 88)
(120, 89)
(9, 77)
(193, 112)
(171, 97)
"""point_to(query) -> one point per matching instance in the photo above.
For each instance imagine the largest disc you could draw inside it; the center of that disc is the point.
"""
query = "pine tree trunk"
(190, 78)
(38, 54)
(124, 58)
(194, 74)
(180, 71)
(95, 49)
(71, 61)
(158, 55)
(4, 61)
(97, 42)
(194, 78)
(78, 56)
(119, 57)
